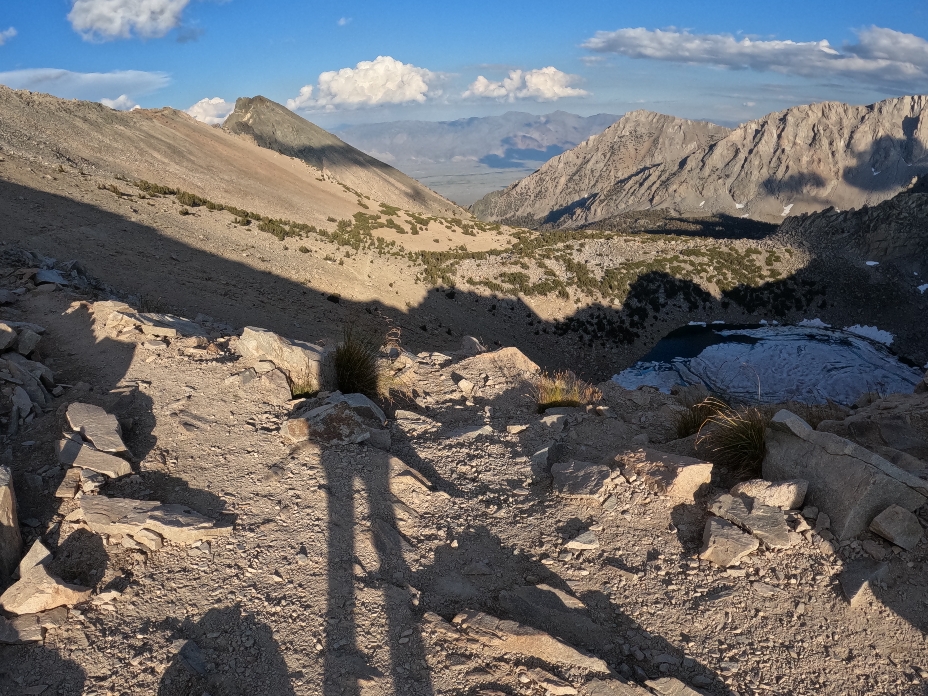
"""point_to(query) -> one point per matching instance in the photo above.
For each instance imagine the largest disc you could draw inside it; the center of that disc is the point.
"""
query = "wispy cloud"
(103, 20)
(383, 80)
(7, 34)
(344, 21)
(881, 56)
(543, 84)
(90, 86)
(211, 111)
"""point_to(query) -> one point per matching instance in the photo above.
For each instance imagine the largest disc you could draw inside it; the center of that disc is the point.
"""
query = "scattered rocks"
(898, 526)
(724, 544)
(36, 555)
(38, 590)
(668, 474)
(847, 481)
(177, 523)
(763, 521)
(786, 495)
(11, 541)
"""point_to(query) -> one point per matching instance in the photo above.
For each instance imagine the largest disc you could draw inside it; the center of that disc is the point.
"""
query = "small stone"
(516, 429)
(857, 576)
(667, 474)
(583, 542)
(810, 512)
(581, 479)
(21, 629)
(668, 686)
(466, 386)
(765, 590)
(149, 538)
(551, 684)
(555, 422)
(874, 549)
(7, 336)
(724, 544)
(898, 526)
(822, 522)
(27, 342)
(91, 480)
(70, 484)
(471, 346)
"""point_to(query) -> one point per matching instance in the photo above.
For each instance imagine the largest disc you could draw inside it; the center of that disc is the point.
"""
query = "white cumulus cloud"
(121, 19)
(211, 111)
(543, 84)
(383, 80)
(7, 34)
(89, 86)
(344, 21)
(121, 103)
(880, 55)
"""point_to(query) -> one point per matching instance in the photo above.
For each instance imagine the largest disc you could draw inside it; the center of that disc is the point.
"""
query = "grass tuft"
(563, 389)
(695, 416)
(356, 368)
(736, 437)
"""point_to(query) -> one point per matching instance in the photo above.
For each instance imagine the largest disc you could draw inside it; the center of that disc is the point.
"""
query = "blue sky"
(360, 61)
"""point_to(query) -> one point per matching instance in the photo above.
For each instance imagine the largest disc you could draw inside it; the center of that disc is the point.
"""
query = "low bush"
(563, 389)
(736, 437)
(356, 370)
(695, 416)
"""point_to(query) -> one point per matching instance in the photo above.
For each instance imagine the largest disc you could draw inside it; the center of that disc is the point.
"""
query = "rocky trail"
(183, 525)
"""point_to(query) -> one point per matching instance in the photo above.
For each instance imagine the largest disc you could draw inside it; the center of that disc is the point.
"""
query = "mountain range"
(803, 159)
(468, 157)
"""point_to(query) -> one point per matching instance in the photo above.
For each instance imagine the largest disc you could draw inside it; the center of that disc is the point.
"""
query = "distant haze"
(465, 159)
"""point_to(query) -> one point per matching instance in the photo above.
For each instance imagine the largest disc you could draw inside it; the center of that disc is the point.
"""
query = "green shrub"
(356, 364)
(184, 211)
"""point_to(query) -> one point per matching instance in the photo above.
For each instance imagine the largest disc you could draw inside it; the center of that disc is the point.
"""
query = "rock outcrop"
(803, 159)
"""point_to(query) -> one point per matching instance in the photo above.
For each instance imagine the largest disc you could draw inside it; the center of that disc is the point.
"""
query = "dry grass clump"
(695, 416)
(563, 388)
(356, 364)
(736, 436)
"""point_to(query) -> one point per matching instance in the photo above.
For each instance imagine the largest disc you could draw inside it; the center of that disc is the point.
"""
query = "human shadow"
(225, 653)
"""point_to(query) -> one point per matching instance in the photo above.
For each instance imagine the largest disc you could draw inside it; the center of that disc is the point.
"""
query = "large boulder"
(309, 367)
(849, 483)
(11, 541)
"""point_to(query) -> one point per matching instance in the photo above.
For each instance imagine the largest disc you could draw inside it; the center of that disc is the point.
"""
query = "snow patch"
(786, 209)
(702, 204)
(815, 323)
(739, 206)
(922, 288)
(875, 172)
(697, 323)
(873, 263)
(871, 332)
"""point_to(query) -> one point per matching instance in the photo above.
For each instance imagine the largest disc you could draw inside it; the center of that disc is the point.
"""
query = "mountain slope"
(638, 141)
(803, 159)
(275, 127)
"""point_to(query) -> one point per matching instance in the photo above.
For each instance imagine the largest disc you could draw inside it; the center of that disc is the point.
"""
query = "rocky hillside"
(639, 141)
(894, 230)
(272, 126)
(799, 160)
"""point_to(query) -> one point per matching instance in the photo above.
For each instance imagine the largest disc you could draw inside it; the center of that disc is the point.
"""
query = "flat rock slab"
(168, 325)
(667, 474)
(765, 522)
(612, 687)
(361, 405)
(786, 495)
(21, 629)
(27, 341)
(583, 542)
(581, 479)
(38, 590)
(77, 454)
(409, 486)
(669, 686)
(551, 609)
(851, 484)
(857, 576)
(96, 425)
(70, 484)
(11, 541)
(724, 544)
(899, 526)
(470, 432)
(176, 523)
(513, 637)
